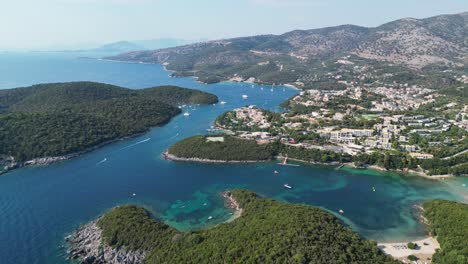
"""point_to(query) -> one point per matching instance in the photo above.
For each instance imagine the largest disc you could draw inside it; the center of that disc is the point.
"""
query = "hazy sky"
(46, 23)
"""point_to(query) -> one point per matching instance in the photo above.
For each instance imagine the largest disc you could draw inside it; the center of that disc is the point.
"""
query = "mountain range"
(412, 43)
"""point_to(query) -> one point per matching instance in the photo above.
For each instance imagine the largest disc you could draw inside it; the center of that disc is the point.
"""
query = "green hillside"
(268, 231)
(449, 222)
(62, 118)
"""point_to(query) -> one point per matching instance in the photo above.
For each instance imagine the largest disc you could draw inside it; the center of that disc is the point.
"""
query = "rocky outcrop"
(47, 160)
(87, 245)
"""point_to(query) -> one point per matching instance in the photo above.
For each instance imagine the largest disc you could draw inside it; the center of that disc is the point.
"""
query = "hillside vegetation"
(400, 49)
(63, 118)
(449, 222)
(231, 149)
(267, 232)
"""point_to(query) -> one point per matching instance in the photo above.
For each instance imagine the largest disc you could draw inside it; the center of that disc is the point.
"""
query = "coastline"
(232, 79)
(45, 161)
(234, 205)
(172, 157)
(424, 251)
(86, 245)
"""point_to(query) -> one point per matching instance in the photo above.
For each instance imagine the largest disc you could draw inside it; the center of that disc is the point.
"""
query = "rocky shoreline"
(44, 161)
(234, 205)
(87, 246)
(172, 157)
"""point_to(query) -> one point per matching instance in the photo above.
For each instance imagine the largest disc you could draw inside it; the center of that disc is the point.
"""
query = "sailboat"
(186, 112)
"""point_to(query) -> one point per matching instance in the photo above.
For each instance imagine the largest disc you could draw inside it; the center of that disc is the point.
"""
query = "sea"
(40, 206)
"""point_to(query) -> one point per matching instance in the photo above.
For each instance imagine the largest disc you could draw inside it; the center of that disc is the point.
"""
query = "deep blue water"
(41, 205)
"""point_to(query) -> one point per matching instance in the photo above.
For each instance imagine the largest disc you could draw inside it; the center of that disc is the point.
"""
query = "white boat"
(287, 186)
(276, 172)
(222, 102)
(341, 211)
(210, 217)
(186, 114)
(134, 194)
(244, 96)
(271, 89)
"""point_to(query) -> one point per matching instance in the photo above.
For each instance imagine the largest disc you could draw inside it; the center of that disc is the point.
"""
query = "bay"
(39, 206)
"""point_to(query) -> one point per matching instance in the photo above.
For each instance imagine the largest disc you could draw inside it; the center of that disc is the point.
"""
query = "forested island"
(266, 231)
(62, 119)
(219, 149)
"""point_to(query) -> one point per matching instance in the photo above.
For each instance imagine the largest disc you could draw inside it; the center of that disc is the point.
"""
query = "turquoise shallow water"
(40, 205)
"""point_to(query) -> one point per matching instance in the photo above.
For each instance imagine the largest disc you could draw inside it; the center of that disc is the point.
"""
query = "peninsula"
(266, 231)
(45, 123)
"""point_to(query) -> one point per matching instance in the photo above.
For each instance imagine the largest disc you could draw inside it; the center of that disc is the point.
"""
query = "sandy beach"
(399, 250)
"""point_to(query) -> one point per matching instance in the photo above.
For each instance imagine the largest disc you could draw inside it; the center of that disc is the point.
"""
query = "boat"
(253, 86)
(210, 217)
(222, 102)
(271, 90)
(244, 96)
(287, 186)
(134, 194)
(341, 211)
(373, 188)
(186, 114)
(276, 172)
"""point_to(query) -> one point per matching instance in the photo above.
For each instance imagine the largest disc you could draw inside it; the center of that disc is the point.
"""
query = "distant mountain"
(413, 43)
(121, 46)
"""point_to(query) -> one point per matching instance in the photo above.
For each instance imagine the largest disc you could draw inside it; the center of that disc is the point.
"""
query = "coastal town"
(398, 119)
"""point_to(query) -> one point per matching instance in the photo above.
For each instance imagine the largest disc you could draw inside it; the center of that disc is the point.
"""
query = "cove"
(41, 205)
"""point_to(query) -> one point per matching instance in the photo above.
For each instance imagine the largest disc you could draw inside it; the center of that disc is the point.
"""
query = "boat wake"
(102, 161)
(138, 143)
(176, 135)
